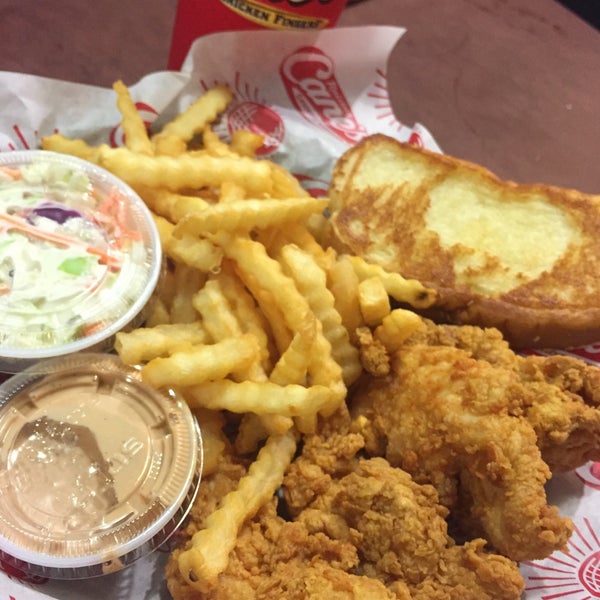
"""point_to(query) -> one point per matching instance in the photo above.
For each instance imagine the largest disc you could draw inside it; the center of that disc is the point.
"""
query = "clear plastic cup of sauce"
(80, 257)
(97, 469)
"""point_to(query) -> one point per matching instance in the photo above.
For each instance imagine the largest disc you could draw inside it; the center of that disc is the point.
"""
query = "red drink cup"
(195, 18)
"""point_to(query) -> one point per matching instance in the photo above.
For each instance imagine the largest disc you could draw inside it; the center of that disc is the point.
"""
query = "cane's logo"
(309, 78)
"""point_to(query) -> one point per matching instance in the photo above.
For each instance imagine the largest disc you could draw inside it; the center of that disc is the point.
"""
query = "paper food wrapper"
(313, 95)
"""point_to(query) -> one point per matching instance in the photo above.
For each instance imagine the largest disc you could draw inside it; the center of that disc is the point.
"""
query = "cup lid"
(97, 468)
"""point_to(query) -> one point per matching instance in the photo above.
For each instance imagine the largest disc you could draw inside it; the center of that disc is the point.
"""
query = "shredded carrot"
(114, 207)
(12, 173)
(15, 224)
(89, 329)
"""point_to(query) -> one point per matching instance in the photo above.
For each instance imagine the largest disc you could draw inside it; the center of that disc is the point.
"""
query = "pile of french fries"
(255, 315)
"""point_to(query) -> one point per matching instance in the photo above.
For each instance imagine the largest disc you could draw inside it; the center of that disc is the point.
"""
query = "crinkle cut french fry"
(145, 343)
(186, 171)
(254, 429)
(373, 299)
(251, 433)
(318, 226)
(159, 314)
(324, 370)
(185, 282)
(165, 229)
(245, 215)
(411, 291)
(201, 363)
(170, 205)
(265, 273)
(220, 321)
(231, 192)
(208, 554)
(396, 327)
(245, 142)
(166, 290)
(217, 314)
(214, 145)
(299, 235)
(278, 329)
(251, 318)
(312, 283)
(168, 145)
(285, 185)
(343, 283)
(134, 128)
(214, 440)
(200, 113)
(75, 147)
(275, 238)
(199, 253)
(275, 293)
(260, 397)
(292, 366)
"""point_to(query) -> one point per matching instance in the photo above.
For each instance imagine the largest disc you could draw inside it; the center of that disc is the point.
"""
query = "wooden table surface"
(512, 85)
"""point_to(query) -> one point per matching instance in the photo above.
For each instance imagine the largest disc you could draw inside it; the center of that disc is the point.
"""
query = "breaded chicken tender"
(562, 393)
(273, 556)
(460, 424)
(397, 526)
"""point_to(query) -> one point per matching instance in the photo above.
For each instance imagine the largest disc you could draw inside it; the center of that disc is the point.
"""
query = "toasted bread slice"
(522, 258)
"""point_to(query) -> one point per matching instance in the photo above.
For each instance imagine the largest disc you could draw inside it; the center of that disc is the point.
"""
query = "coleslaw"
(72, 259)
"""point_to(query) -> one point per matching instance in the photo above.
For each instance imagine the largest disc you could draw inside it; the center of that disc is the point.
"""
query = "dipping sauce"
(97, 469)
(79, 255)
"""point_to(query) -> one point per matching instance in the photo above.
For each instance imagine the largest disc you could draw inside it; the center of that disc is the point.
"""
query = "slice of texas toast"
(522, 258)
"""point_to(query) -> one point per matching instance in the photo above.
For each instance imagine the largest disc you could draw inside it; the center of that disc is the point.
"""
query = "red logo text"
(309, 78)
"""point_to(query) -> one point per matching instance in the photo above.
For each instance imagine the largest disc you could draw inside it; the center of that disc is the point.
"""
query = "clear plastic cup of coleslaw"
(80, 257)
